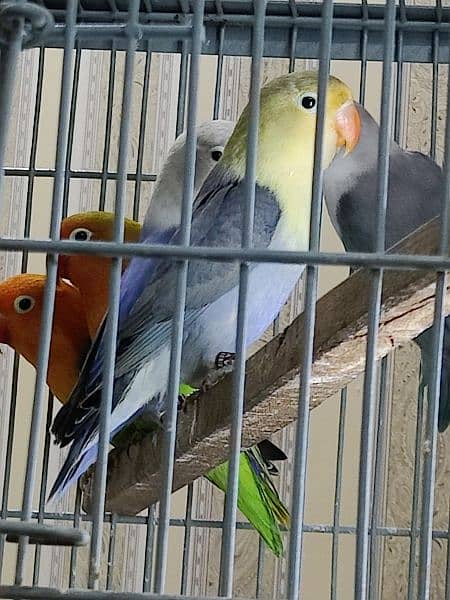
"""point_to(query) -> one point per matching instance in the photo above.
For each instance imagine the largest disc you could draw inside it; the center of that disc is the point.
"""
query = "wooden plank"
(272, 378)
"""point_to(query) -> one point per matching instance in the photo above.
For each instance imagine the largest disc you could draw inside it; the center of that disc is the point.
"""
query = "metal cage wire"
(395, 35)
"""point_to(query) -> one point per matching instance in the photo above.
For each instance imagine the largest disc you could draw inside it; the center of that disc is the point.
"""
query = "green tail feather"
(258, 498)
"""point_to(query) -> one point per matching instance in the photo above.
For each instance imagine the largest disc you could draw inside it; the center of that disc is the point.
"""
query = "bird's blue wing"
(146, 324)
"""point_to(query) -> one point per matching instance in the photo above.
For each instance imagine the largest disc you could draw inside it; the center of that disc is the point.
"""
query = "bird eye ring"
(216, 153)
(80, 234)
(23, 304)
(308, 102)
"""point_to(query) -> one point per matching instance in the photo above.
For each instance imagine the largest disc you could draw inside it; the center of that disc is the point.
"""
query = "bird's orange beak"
(348, 126)
(4, 330)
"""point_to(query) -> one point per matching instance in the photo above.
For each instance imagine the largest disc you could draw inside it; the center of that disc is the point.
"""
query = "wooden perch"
(272, 378)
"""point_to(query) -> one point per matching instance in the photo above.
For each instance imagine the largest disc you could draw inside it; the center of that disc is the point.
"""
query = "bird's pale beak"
(4, 331)
(348, 126)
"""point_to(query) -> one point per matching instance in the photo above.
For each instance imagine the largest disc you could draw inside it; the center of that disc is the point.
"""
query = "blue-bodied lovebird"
(258, 499)
(284, 168)
(415, 193)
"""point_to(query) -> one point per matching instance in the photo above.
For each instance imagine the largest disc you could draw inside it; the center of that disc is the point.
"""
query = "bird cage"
(93, 94)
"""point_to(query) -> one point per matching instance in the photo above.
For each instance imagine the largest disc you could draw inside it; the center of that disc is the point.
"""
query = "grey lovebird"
(164, 211)
(415, 195)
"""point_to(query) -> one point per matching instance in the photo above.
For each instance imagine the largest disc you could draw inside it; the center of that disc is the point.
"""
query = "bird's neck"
(93, 282)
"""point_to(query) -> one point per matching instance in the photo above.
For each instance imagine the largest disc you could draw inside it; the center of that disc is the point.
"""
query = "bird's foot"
(224, 364)
(181, 401)
(224, 359)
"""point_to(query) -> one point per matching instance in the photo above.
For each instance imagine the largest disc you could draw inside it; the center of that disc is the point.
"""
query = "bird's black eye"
(23, 304)
(80, 234)
(309, 102)
(216, 153)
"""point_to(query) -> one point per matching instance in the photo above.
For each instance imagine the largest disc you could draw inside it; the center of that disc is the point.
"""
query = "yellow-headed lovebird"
(147, 300)
(21, 301)
(91, 275)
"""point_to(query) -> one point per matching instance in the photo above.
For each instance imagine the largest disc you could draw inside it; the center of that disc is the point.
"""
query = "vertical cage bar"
(302, 429)
(74, 550)
(447, 566)
(187, 540)
(260, 569)
(111, 551)
(430, 442)
(9, 58)
(363, 66)
(98, 506)
(434, 96)
(338, 496)
(142, 131)
(368, 410)
(109, 112)
(416, 494)
(182, 88)
(230, 509)
(26, 232)
(170, 419)
(219, 72)
(378, 499)
(50, 287)
(293, 38)
(43, 490)
(181, 113)
(73, 109)
(398, 122)
(148, 557)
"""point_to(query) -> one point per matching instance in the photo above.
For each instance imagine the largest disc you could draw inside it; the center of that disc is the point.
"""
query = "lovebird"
(415, 195)
(283, 188)
(92, 276)
(258, 498)
(21, 302)
(164, 211)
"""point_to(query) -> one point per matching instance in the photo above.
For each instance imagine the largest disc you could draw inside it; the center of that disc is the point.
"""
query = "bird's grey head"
(165, 206)
(212, 137)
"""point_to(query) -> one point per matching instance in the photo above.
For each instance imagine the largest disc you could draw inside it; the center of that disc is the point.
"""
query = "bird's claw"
(181, 401)
(224, 359)
(224, 365)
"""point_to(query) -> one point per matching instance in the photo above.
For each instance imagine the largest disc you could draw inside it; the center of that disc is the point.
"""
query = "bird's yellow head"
(287, 124)
(21, 305)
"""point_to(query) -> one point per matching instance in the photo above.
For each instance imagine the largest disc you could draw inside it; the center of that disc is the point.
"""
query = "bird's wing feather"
(217, 221)
(415, 190)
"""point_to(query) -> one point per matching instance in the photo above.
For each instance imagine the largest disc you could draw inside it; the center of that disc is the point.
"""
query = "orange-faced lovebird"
(283, 192)
(21, 302)
(91, 275)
